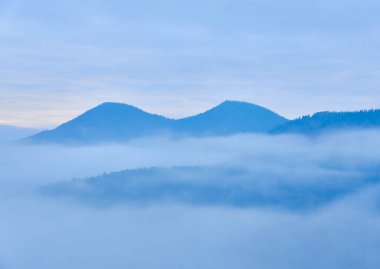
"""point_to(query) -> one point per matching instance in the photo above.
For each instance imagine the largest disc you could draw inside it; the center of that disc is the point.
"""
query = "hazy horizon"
(37, 126)
(51, 126)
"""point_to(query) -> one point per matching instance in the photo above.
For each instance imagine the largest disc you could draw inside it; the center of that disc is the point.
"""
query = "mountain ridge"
(326, 121)
(117, 122)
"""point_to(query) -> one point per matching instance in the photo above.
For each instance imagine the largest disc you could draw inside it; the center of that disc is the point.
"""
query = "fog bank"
(45, 232)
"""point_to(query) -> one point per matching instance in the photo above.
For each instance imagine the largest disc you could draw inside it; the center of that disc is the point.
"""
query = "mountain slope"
(106, 122)
(230, 117)
(331, 121)
(114, 122)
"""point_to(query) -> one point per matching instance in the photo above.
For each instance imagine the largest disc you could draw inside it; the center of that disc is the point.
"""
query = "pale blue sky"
(176, 58)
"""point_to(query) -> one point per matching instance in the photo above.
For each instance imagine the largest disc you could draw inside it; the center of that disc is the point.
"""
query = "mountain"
(330, 121)
(228, 118)
(114, 122)
(11, 133)
(106, 122)
(225, 185)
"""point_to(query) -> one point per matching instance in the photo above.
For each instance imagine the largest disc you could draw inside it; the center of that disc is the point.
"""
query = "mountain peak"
(231, 117)
(235, 103)
(232, 102)
(114, 105)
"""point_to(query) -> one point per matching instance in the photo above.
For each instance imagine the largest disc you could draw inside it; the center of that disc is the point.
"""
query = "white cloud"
(41, 232)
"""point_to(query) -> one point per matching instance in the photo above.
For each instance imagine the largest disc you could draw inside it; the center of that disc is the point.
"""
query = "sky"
(178, 58)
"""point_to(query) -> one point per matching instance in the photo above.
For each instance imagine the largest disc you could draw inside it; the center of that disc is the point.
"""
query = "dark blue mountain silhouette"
(114, 122)
(106, 122)
(331, 121)
(230, 117)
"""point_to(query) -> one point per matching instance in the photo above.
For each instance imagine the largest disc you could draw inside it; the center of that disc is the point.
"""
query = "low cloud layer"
(45, 232)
